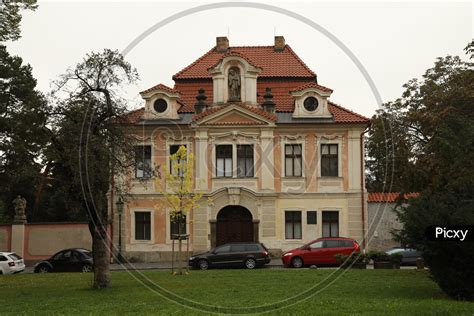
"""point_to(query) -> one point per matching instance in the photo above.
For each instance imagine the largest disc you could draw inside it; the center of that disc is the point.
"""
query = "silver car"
(11, 263)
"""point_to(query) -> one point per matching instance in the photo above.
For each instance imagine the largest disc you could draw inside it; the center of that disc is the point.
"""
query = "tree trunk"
(101, 255)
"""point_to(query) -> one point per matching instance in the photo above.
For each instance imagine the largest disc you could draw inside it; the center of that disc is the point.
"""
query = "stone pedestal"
(17, 240)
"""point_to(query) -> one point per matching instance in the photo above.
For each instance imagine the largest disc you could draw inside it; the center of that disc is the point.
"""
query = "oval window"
(160, 105)
(310, 104)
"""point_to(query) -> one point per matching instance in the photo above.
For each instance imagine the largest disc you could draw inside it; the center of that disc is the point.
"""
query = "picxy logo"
(450, 233)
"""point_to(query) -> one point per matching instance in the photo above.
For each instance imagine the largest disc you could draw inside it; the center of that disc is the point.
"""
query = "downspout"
(362, 194)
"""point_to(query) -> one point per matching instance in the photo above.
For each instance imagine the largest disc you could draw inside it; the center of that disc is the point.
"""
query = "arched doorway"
(234, 224)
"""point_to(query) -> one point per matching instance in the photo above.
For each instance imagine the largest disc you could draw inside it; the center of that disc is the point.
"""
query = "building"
(281, 162)
(382, 218)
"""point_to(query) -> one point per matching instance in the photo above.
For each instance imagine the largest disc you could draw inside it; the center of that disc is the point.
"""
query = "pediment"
(235, 115)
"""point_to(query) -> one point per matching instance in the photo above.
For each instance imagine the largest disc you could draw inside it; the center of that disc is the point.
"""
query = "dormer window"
(311, 104)
(160, 105)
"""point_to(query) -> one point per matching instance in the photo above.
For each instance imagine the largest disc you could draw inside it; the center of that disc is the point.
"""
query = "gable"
(236, 114)
(234, 118)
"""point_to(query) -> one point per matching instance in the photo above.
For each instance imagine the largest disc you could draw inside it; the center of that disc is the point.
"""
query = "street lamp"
(120, 211)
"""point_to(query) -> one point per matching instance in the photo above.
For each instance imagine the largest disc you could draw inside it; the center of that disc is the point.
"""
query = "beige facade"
(270, 170)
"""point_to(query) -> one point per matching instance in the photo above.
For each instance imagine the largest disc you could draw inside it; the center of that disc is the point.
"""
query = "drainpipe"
(362, 195)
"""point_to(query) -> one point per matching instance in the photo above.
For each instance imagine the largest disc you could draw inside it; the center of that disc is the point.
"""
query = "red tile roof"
(312, 85)
(134, 116)
(389, 197)
(255, 110)
(283, 63)
(161, 87)
(342, 115)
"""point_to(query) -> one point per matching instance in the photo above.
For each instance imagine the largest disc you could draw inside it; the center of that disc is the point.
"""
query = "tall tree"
(90, 142)
(10, 17)
(23, 115)
(439, 110)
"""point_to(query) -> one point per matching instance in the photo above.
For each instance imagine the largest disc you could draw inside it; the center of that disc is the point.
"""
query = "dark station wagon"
(243, 254)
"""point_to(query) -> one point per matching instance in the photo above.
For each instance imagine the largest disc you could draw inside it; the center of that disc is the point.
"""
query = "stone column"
(255, 223)
(213, 224)
(266, 157)
(18, 238)
(200, 158)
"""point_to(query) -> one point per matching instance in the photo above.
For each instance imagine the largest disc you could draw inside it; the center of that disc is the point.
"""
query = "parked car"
(67, 260)
(321, 251)
(409, 255)
(11, 263)
(244, 254)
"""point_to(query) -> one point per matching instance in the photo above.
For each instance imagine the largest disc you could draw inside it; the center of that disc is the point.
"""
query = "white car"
(11, 263)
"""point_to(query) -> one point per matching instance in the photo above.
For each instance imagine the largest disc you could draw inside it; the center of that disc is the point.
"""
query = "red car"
(321, 251)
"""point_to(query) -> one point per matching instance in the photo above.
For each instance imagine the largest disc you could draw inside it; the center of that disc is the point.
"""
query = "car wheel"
(250, 263)
(203, 264)
(297, 262)
(86, 268)
(43, 269)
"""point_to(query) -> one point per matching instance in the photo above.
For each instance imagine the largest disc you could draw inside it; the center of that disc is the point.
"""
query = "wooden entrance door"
(234, 224)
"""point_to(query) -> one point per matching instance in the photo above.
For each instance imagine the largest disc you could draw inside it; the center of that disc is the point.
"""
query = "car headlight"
(288, 254)
(191, 258)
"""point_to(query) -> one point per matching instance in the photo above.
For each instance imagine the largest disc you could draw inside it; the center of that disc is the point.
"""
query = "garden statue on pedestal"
(20, 206)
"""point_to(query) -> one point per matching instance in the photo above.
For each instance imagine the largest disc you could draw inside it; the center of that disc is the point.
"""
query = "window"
(3, 258)
(311, 217)
(310, 104)
(245, 161)
(173, 150)
(143, 161)
(331, 244)
(142, 226)
(179, 220)
(330, 224)
(224, 160)
(251, 248)
(222, 249)
(316, 245)
(293, 225)
(329, 160)
(237, 248)
(293, 160)
(160, 105)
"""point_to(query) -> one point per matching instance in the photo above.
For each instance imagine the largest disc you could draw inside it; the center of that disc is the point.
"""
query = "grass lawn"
(326, 292)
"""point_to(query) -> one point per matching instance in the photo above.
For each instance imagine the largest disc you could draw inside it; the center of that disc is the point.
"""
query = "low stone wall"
(382, 220)
(44, 240)
(5, 237)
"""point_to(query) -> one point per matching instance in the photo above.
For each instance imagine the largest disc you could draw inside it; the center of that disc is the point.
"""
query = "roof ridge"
(193, 63)
(299, 59)
(345, 109)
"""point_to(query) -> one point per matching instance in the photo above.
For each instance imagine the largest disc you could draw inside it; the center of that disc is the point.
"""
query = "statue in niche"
(19, 204)
(234, 84)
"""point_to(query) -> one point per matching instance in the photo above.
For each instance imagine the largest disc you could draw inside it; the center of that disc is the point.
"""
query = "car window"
(3, 258)
(14, 256)
(316, 245)
(345, 243)
(58, 256)
(251, 248)
(393, 251)
(237, 248)
(331, 244)
(222, 249)
(75, 256)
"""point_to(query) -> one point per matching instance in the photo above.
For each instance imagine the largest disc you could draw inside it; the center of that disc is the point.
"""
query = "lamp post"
(120, 211)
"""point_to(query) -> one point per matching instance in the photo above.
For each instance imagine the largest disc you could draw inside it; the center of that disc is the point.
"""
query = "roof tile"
(389, 197)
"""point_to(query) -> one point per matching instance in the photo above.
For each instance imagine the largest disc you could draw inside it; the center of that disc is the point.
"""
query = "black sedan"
(67, 260)
(246, 254)
(409, 255)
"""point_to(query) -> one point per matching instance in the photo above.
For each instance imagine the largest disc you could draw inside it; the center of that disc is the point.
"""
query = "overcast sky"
(394, 41)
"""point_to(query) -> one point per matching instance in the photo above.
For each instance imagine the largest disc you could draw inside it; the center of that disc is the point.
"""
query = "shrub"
(378, 256)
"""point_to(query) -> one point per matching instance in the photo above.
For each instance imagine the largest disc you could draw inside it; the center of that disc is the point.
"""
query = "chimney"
(222, 44)
(268, 104)
(279, 43)
(200, 105)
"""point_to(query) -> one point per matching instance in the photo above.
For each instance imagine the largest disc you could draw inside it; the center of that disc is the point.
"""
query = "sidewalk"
(275, 263)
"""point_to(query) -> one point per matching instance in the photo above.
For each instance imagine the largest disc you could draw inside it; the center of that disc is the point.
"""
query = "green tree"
(179, 193)
(10, 17)
(23, 115)
(89, 141)
(439, 110)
